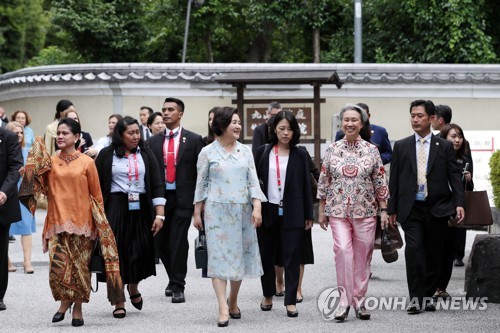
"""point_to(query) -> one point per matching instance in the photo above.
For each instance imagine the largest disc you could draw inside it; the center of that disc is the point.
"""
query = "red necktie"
(171, 159)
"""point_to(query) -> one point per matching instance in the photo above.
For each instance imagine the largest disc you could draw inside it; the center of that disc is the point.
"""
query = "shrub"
(495, 176)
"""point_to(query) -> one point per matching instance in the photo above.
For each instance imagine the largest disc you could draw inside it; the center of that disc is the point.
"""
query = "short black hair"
(152, 117)
(273, 105)
(364, 107)
(429, 107)
(294, 125)
(222, 119)
(117, 141)
(150, 110)
(61, 106)
(443, 111)
(176, 101)
(74, 127)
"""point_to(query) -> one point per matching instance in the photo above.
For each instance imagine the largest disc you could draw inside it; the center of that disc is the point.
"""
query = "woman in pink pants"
(352, 188)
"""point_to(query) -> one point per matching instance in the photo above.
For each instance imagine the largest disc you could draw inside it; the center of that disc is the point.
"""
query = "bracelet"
(161, 217)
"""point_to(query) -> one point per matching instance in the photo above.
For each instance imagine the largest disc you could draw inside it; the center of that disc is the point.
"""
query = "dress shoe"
(266, 307)
(77, 322)
(362, 313)
(342, 313)
(12, 239)
(59, 316)
(411, 310)
(119, 315)
(458, 263)
(168, 291)
(178, 297)
(430, 307)
(2, 306)
(292, 314)
(223, 323)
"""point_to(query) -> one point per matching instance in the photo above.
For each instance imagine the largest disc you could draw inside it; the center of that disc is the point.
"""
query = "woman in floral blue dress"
(229, 196)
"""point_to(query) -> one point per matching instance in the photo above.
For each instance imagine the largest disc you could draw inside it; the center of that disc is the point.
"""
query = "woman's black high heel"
(77, 322)
(137, 305)
(59, 316)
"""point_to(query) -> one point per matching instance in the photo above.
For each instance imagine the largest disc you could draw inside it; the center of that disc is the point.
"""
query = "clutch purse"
(388, 248)
(97, 260)
(200, 250)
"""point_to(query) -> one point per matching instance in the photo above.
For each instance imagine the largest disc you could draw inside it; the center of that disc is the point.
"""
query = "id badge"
(280, 209)
(421, 193)
(133, 201)
(170, 186)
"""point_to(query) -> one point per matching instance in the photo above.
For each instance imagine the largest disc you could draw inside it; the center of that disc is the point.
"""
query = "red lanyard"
(278, 174)
(130, 170)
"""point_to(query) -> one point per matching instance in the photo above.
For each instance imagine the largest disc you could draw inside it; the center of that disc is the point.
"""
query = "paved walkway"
(31, 306)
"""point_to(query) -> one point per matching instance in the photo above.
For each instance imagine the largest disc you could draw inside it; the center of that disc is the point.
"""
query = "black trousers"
(290, 239)
(172, 242)
(459, 243)
(424, 236)
(4, 259)
(454, 239)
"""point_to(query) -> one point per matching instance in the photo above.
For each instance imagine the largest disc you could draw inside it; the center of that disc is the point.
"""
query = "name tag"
(280, 209)
(420, 193)
(170, 186)
(133, 201)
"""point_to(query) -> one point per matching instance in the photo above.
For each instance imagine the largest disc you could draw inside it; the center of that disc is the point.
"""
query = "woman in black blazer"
(283, 169)
(134, 204)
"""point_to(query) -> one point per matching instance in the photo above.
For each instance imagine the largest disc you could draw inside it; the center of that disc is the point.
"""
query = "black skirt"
(134, 238)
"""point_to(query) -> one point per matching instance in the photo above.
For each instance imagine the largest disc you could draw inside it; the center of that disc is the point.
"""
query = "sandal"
(137, 305)
(119, 315)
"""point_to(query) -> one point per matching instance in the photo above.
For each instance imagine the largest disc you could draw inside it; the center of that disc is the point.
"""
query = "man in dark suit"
(176, 151)
(379, 137)
(11, 160)
(4, 120)
(423, 169)
(261, 133)
(144, 113)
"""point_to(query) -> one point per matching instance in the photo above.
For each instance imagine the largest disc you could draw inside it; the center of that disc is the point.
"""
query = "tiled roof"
(348, 73)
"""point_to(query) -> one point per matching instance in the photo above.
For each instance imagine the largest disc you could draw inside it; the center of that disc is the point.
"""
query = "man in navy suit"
(261, 133)
(11, 160)
(426, 190)
(176, 151)
(379, 137)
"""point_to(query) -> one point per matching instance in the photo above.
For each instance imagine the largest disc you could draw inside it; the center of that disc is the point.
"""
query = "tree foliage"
(281, 31)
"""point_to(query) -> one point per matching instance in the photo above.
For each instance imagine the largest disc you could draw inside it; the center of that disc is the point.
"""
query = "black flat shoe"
(266, 307)
(280, 293)
(119, 315)
(236, 315)
(299, 300)
(292, 314)
(77, 322)
(178, 297)
(342, 313)
(223, 323)
(137, 305)
(168, 292)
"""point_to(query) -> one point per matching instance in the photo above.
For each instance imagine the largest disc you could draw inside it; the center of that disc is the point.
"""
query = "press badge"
(420, 193)
(170, 186)
(280, 209)
(133, 201)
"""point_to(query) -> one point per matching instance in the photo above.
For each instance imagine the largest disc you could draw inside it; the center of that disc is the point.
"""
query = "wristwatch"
(161, 217)
(383, 210)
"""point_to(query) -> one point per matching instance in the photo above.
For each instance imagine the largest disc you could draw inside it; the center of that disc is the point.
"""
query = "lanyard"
(130, 170)
(278, 174)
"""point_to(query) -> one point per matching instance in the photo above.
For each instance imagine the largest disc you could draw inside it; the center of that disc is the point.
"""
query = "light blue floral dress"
(228, 182)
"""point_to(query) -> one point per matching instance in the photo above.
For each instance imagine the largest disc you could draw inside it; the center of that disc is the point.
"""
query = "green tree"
(22, 32)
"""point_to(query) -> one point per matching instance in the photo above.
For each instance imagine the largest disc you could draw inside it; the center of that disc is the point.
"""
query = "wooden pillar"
(317, 126)
(240, 91)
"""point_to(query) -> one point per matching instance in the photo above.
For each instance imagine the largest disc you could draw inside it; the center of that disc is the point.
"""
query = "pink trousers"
(353, 247)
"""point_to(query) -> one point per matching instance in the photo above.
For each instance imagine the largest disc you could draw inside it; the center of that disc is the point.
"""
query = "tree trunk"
(208, 42)
(316, 46)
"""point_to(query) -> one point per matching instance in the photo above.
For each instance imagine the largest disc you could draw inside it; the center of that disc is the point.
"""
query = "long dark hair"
(117, 141)
(294, 125)
(74, 127)
(211, 136)
(464, 149)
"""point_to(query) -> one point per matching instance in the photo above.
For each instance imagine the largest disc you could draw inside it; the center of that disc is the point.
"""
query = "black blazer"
(260, 137)
(152, 179)
(297, 196)
(190, 145)
(11, 160)
(443, 172)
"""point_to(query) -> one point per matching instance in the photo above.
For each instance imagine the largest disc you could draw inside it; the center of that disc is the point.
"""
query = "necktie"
(422, 166)
(147, 133)
(171, 159)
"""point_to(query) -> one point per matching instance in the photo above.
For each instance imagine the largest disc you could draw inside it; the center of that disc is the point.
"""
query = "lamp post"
(198, 3)
(358, 32)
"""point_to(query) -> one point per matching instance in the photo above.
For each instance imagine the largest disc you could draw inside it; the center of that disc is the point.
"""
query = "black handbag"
(200, 250)
(97, 263)
(388, 248)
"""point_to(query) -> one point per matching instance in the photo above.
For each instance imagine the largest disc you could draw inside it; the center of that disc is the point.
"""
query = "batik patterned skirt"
(69, 276)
